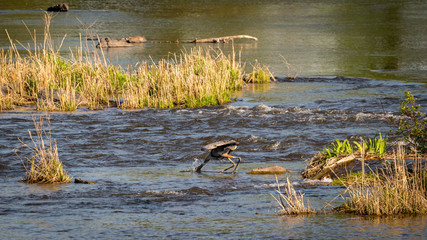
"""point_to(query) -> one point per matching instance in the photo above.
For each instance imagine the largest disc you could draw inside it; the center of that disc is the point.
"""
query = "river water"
(142, 160)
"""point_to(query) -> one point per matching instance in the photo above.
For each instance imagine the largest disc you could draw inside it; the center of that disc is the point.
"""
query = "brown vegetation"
(44, 165)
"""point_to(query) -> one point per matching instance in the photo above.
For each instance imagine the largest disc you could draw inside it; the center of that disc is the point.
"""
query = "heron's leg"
(229, 157)
(234, 164)
(234, 171)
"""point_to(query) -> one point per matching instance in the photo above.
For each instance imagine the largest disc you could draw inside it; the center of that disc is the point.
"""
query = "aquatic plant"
(291, 202)
(338, 148)
(412, 124)
(190, 79)
(373, 146)
(260, 74)
(44, 165)
(394, 191)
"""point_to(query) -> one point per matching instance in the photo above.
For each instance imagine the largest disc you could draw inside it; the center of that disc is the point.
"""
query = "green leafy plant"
(374, 146)
(338, 148)
(412, 124)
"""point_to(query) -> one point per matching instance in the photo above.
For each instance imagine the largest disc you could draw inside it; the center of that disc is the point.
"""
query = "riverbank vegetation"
(379, 179)
(396, 190)
(44, 165)
(190, 79)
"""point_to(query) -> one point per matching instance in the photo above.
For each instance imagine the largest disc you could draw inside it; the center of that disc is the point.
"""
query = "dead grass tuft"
(290, 202)
(44, 165)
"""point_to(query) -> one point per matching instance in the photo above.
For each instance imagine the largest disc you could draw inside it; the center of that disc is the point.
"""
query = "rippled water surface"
(142, 160)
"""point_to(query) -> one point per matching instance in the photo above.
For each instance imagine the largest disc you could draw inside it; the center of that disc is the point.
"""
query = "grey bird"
(221, 150)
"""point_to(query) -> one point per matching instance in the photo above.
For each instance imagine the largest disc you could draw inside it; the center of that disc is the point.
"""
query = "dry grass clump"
(44, 165)
(396, 191)
(43, 78)
(290, 202)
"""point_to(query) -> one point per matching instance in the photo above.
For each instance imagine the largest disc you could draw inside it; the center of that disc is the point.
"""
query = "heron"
(220, 150)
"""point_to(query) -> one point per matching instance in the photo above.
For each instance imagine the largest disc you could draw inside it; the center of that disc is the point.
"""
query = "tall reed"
(44, 165)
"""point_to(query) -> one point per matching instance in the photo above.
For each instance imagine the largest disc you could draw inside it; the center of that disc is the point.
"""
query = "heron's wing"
(219, 144)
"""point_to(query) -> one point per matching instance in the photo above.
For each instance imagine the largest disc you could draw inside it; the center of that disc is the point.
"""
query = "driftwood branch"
(332, 165)
(223, 39)
(130, 41)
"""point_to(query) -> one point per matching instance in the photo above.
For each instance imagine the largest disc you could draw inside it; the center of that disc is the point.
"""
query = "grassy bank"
(190, 79)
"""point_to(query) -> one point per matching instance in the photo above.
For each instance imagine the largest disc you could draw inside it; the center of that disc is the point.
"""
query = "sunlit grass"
(43, 166)
(194, 78)
(395, 191)
(291, 202)
(260, 74)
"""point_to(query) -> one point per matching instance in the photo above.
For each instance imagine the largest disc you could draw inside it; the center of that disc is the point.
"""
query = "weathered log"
(333, 165)
(223, 39)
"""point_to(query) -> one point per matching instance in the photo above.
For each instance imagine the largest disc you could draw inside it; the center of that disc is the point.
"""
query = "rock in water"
(136, 39)
(62, 7)
(112, 43)
(269, 170)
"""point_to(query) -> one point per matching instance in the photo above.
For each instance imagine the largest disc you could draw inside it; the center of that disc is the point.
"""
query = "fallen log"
(223, 39)
(129, 41)
(329, 167)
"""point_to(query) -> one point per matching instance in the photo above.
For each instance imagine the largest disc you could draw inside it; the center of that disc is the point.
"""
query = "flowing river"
(353, 60)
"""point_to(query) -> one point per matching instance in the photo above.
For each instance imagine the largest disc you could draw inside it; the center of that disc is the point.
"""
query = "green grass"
(373, 146)
(338, 148)
(259, 74)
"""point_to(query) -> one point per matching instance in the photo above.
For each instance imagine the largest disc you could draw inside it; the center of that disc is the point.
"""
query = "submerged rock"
(81, 181)
(136, 39)
(62, 7)
(113, 43)
(269, 170)
(122, 42)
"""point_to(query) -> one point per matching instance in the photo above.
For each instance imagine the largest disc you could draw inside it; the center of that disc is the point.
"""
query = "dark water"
(143, 159)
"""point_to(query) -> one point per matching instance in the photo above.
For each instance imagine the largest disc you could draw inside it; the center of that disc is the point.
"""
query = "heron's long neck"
(207, 159)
